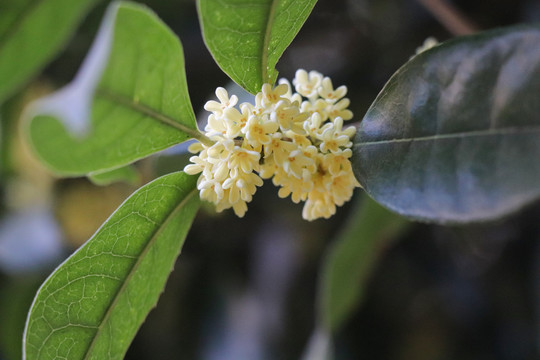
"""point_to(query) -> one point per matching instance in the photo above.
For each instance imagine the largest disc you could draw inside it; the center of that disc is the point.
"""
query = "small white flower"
(312, 126)
(339, 109)
(243, 160)
(236, 120)
(215, 126)
(327, 91)
(297, 162)
(258, 130)
(289, 117)
(224, 102)
(211, 190)
(307, 84)
(428, 44)
(272, 96)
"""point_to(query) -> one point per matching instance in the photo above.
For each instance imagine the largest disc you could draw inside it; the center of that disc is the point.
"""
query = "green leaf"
(31, 34)
(93, 304)
(454, 136)
(247, 38)
(140, 105)
(126, 174)
(350, 261)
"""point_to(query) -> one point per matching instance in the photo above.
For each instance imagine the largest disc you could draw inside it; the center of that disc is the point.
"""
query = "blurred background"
(246, 288)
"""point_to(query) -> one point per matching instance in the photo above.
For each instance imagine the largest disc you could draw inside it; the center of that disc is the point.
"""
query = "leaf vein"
(478, 133)
(131, 273)
(266, 42)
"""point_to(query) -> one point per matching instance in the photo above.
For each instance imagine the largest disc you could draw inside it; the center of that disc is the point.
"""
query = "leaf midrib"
(266, 41)
(477, 133)
(142, 256)
(148, 111)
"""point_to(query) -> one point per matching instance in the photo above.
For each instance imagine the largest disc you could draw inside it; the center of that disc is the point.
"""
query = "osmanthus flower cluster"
(296, 139)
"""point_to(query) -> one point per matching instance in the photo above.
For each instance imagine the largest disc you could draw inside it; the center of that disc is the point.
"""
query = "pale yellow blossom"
(327, 91)
(289, 117)
(334, 138)
(244, 160)
(307, 84)
(224, 102)
(300, 144)
(272, 96)
(258, 130)
(297, 162)
(235, 120)
(339, 109)
(338, 162)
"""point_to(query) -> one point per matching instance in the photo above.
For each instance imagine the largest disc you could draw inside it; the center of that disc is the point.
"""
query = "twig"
(454, 21)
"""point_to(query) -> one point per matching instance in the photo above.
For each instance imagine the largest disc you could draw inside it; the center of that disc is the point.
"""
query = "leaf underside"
(141, 104)
(454, 136)
(127, 174)
(93, 304)
(247, 38)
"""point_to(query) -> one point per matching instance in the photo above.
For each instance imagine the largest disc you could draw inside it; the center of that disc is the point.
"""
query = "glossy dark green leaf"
(351, 258)
(32, 32)
(93, 304)
(139, 106)
(247, 38)
(454, 136)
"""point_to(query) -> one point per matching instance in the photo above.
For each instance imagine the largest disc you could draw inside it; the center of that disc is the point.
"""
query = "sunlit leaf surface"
(93, 304)
(454, 136)
(247, 38)
(141, 104)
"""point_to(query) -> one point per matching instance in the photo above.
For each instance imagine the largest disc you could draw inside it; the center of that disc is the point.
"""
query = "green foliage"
(93, 304)
(141, 104)
(16, 296)
(349, 261)
(7, 135)
(247, 38)
(126, 174)
(31, 34)
(454, 135)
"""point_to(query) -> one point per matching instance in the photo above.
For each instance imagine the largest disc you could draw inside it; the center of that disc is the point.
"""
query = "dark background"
(246, 288)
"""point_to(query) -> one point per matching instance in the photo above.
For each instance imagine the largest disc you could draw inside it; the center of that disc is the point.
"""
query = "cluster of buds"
(296, 139)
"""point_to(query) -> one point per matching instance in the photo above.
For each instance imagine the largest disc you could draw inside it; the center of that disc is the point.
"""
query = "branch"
(454, 21)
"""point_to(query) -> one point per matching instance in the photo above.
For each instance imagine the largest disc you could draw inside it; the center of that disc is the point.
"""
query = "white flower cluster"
(297, 139)
(429, 43)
